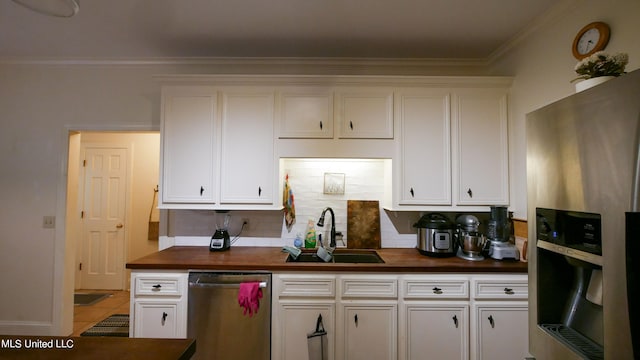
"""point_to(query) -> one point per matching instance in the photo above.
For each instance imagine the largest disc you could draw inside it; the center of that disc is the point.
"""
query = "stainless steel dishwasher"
(216, 320)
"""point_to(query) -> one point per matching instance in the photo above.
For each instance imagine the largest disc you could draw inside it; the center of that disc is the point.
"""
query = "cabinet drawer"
(376, 287)
(306, 286)
(501, 289)
(159, 285)
(435, 289)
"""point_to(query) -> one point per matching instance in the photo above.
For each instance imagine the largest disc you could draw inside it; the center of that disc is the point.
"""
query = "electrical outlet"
(49, 222)
(246, 223)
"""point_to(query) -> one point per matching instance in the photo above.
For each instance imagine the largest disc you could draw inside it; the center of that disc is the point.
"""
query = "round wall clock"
(591, 38)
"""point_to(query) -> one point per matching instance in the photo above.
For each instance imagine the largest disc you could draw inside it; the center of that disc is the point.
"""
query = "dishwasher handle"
(219, 284)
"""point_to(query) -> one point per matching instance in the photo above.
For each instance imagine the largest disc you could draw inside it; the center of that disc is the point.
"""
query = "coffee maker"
(498, 233)
(220, 240)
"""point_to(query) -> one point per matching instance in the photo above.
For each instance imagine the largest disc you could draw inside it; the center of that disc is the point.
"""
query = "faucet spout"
(332, 241)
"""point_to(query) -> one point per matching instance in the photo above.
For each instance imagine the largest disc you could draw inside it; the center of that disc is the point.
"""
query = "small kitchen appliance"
(498, 233)
(437, 235)
(471, 240)
(220, 240)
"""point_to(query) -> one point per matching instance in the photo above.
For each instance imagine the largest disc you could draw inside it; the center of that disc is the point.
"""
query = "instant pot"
(437, 235)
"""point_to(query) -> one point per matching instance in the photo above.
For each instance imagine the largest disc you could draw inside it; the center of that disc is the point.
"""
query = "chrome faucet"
(332, 242)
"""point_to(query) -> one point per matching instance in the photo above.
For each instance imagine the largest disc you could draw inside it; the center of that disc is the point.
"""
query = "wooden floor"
(84, 317)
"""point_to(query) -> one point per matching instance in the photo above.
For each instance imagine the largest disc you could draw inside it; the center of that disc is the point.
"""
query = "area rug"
(114, 325)
(85, 299)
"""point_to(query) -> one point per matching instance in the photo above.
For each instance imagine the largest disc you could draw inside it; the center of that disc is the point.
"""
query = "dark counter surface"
(273, 259)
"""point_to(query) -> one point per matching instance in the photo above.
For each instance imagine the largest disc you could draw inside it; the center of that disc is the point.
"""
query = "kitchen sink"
(341, 256)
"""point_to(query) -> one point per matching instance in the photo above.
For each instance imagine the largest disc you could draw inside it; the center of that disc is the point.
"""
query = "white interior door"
(103, 226)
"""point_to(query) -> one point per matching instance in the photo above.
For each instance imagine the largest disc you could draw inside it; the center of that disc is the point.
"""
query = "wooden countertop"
(99, 347)
(273, 259)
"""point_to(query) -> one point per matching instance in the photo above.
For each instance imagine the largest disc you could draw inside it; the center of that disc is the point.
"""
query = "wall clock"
(591, 38)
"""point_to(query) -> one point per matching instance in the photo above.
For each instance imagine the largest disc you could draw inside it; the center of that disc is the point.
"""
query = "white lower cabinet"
(382, 316)
(434, 330)
(158, 304)
(500, 317)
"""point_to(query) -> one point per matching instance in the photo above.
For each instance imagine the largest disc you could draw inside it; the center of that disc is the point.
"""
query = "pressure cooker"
(437, 235)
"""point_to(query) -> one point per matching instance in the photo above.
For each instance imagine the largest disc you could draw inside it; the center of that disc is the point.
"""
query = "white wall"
(543, 67)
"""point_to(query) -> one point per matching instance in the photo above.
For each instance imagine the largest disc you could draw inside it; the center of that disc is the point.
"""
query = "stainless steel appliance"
(218, 323)
(583, 167)
(471, 240)
(498, 233)
(437, 235)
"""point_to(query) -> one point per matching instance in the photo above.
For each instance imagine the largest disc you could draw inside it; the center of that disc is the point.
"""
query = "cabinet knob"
(156, 287)
(455, 321)
(320, 125)
(259, 191)
(351, 125)
(508, 291)
(470, 192)
(411, 191)
(355, 319)
(164, 317)
(437, 290)
(119, 226)
(490, 318)
(201, 190)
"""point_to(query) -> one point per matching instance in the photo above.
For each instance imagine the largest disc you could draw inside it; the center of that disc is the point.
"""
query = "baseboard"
(29, 328)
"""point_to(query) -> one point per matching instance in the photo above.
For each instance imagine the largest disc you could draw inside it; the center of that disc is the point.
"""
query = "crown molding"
(560, 9)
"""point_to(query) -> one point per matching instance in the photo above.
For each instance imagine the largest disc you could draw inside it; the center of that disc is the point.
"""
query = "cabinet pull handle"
(320, 125)
(156, 287)
(490, 318)
(355, 318)
(351, 124)
(259, 191)
(455, 321)
(201, 190)
(437, 290)
(411, 191)
(164, 317)
(508, 291)
(470, 192)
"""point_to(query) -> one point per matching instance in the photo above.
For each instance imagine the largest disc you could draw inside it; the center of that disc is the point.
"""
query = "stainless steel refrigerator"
(583, 184)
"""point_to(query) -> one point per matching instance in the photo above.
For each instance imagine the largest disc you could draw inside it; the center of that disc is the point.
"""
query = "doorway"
(110, 193)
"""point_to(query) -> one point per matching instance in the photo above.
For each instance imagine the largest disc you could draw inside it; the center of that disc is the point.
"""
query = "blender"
(498, 233)
(220, 239)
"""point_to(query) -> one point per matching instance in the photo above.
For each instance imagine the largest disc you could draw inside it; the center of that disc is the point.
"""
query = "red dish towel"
(249, 297)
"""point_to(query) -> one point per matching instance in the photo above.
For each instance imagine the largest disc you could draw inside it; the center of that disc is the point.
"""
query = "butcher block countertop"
(273, 259)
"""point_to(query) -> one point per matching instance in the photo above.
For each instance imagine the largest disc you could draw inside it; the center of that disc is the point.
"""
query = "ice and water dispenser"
(569, 279)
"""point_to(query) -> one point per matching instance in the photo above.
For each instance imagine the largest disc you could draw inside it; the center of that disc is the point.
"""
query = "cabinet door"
(306, 113)
(435, 331)
(367, 331)
(159, 319)
(188, 151)
(481, 147)
(247, 155)
(365, 113)
(296, 319)
(425, 168)
(502, 331)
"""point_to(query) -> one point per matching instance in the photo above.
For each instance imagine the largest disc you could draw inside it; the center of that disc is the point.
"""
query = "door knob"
(119, 226)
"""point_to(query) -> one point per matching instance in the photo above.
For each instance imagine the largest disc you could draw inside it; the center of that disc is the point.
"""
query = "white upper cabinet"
(306, 113)
(481, 146)
(248, 163)
(188, 146)
(364, 113)
(425, 155)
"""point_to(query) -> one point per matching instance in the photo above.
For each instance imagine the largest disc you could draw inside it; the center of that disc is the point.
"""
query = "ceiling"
(142, 29)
